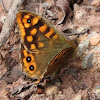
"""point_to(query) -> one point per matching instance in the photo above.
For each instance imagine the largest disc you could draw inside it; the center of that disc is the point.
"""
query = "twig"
(78, 33)
(2, 5)
(9, 22)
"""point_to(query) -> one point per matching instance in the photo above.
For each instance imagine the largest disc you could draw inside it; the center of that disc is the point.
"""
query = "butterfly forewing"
(37, 34)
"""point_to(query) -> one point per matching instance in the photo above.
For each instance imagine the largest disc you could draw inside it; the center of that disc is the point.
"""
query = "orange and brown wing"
(37, 34)
(41, 42)
(35, 65)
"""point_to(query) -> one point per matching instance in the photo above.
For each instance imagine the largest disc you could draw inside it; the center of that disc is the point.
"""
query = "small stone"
(78, 15)
(58, 84)
(51, 90)
(98, 97)
(49, 13)
(83, 46)
(95, 39)
(87, 62)
(78, 97)
(96, 91)
(95, 3)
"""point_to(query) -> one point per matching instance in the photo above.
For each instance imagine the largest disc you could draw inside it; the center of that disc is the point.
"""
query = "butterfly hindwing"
(35, 65)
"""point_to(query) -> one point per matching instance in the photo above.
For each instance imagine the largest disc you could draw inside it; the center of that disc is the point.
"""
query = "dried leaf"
(64, 6)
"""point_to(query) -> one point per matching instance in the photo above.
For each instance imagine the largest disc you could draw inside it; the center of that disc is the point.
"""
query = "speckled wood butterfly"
(43, 48)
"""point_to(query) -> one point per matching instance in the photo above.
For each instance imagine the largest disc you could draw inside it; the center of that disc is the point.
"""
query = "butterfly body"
(43, 48)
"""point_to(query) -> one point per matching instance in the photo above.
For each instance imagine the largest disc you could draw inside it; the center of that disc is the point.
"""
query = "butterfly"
(43, 48)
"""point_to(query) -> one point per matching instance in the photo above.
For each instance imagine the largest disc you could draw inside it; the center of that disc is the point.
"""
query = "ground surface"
(76, 83)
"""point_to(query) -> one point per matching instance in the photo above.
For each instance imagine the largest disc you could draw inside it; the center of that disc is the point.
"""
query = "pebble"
(51, 90)
(96, 91)
(78, 96)
(87, 62)
(78, 15)
(95, 3)
(50, 13)
(94, 39)
(82, 47)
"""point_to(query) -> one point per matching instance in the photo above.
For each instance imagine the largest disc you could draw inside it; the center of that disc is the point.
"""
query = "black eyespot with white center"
(28, 20)
(31, 67)
(28, 59)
